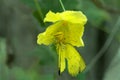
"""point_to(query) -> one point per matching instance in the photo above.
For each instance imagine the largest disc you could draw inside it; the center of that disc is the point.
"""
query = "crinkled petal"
(74, 34)
(74, 17)
(47, 37)
(44, 39)
(75, 62)
(69, 16)
(61, 54)
(52, 17)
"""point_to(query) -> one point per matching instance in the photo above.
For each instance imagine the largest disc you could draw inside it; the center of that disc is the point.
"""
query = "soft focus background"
(22, 59)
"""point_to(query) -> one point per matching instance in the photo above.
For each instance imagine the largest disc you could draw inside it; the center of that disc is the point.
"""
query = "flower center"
(59, 37)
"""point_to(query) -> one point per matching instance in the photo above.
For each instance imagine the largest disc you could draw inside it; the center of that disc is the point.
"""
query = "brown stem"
(108, 9)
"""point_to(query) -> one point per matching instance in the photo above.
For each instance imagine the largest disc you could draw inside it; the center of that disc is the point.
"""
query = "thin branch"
(105, 46)
(108, 9)
(61, 3)
(38, 8)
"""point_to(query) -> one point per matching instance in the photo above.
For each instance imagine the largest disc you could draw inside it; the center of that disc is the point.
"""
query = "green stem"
(105, 46)
(38, 8)
(62, 5)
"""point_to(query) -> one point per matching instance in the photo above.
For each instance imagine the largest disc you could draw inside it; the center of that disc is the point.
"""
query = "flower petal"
(61, 54)
(44, 39)
(74, 35)
(52, 17)
(75, 62)
(69, 16)
(47, 37)
(74, 17)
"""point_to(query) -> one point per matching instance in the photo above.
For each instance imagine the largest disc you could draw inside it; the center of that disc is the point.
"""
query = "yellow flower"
(65, 32)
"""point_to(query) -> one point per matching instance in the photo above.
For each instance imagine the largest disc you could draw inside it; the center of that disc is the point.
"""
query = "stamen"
(59, 37)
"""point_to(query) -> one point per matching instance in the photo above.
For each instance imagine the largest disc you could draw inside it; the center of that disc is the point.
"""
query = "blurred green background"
(22, 59)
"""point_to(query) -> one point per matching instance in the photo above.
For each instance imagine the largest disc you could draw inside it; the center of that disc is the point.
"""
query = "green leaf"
(4, 72)
(21, 74)
(47, 77)
(30, 3)
(38, 17)
(118, 35)
(95, 15)
(81, 76)
(2, 51)
(45, 54)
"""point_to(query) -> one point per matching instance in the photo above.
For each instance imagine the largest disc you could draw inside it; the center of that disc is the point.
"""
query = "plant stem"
(38, 8)
(105, 46)
(62, 5)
